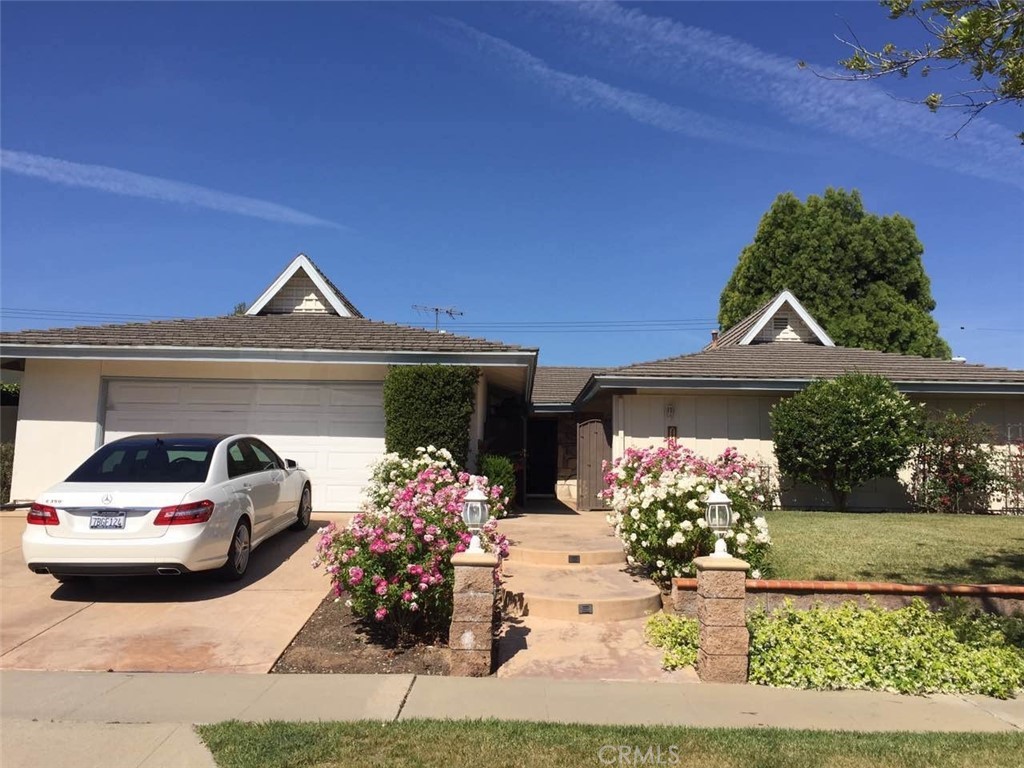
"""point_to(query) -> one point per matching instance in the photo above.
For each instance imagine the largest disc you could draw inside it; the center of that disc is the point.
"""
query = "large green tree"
(859, 274)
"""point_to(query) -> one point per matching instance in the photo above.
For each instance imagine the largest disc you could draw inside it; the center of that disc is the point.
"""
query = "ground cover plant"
(658, 498)
(676, 636)
(897, 547)
(470, 744)
(393, 563)
(909, 650)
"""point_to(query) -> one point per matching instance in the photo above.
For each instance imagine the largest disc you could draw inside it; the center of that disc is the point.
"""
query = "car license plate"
(103, 518)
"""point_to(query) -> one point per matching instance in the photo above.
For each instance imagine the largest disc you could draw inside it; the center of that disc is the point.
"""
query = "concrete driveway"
(158, 624)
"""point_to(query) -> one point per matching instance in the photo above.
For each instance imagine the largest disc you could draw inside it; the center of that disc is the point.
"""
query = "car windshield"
(148, 460)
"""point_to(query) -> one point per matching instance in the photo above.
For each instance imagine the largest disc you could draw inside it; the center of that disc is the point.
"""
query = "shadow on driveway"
(267, 558)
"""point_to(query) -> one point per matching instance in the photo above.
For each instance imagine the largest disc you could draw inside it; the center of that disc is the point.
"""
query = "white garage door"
(335, 431)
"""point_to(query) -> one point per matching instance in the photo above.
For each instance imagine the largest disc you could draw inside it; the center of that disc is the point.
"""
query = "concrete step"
(561, 541)
(592, 593)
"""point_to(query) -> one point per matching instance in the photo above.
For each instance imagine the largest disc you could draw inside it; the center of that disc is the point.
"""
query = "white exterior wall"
(60, 412)
(709, 423)
(58, 423)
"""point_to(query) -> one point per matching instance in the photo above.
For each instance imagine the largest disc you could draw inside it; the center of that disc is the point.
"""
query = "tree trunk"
(838, 498)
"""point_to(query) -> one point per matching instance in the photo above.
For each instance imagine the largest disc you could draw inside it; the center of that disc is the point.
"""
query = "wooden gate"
(593, 446)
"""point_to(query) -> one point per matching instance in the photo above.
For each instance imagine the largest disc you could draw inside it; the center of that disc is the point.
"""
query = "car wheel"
(305, 511)
(238, 553)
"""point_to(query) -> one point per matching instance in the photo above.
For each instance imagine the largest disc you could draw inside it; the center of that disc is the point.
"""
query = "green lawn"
(907, 548)
(461, 744)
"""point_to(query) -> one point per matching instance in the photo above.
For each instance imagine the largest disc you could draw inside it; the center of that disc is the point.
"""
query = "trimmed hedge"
(499, 470)
(6, 470)
(429, 405)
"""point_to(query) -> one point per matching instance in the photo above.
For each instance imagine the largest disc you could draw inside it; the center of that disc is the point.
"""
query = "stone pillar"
(471, 638)
(723, 643)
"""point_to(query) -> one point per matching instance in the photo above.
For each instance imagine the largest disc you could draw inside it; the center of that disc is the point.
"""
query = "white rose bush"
(658, 496)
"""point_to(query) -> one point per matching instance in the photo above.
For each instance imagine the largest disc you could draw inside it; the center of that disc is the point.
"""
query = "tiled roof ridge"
(337, 292)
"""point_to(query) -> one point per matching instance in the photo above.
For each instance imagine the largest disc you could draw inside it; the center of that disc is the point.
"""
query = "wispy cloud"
(131, 184)
(588, 92)
(668, 50)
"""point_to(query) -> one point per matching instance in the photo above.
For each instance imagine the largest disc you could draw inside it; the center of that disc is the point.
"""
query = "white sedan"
(166, 504)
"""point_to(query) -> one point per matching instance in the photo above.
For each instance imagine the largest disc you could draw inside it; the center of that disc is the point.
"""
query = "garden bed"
(333, 640)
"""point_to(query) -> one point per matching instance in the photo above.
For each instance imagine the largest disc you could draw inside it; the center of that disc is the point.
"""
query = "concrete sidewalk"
(144, 720)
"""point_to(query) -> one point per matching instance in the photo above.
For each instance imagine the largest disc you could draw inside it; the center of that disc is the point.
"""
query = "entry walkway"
(574, 611)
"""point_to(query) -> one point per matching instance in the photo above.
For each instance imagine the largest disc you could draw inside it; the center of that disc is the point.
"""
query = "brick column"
(723, 642)
(471, 638)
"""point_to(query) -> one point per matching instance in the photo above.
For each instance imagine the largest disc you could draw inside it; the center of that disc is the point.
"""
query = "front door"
(541, 457)
(594, 447)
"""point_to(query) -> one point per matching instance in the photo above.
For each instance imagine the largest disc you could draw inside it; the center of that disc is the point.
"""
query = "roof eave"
(518, 357)
(606, 383)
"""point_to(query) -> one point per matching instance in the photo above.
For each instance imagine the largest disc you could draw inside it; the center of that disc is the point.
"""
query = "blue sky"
(534, 165)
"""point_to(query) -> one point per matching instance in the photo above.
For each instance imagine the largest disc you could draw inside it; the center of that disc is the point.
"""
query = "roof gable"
(302, 289)
(781, 319)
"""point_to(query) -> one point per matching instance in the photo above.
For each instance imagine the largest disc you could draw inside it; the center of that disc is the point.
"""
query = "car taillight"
(40, 514)
(184, 514)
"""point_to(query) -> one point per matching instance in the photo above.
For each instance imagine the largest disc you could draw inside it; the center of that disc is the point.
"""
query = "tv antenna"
(452, 312)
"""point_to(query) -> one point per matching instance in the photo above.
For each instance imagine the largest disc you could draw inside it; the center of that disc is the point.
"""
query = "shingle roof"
(805, 362)
(554, 384)
(295, 331)
(341, 296)
(732, 336)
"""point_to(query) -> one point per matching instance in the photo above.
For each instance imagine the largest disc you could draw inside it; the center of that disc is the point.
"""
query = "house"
(302, 367)
(722, 395)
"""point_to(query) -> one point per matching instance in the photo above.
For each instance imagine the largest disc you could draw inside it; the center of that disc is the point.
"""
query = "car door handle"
(247, 486)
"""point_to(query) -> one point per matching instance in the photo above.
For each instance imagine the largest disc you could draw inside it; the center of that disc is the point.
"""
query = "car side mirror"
(290, 464)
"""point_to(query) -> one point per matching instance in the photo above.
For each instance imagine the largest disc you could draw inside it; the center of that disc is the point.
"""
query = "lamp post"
(719, 517)
(475, 513)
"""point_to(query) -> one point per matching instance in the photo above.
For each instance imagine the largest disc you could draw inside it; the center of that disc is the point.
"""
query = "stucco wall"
(709, 423)
(58, 422)
(60, 412)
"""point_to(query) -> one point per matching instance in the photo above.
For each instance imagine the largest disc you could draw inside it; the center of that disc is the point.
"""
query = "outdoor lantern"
(475, 512)
(719, 517)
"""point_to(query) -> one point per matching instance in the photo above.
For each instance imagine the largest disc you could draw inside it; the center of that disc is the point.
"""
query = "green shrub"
(429, 405)
(910, 650)
(840, 433)
(6, 470)
(677, 636)
(499, 470)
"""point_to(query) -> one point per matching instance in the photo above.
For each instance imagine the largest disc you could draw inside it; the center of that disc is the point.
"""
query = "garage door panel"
(366, 395)
(333, 430)
(146, 393)
(289, 395)
(237, 397)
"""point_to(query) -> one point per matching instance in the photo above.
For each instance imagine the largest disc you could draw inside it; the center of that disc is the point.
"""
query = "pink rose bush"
(394, 558)
(658, 495)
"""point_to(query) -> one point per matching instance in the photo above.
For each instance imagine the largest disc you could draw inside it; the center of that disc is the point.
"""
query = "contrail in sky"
(132, 184)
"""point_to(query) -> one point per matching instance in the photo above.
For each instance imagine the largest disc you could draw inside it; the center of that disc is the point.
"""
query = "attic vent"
(780, 323)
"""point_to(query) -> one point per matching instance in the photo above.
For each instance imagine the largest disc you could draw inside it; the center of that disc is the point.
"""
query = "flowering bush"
(392, 473)
(658, 500)
(953, 468)
(394, 558)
